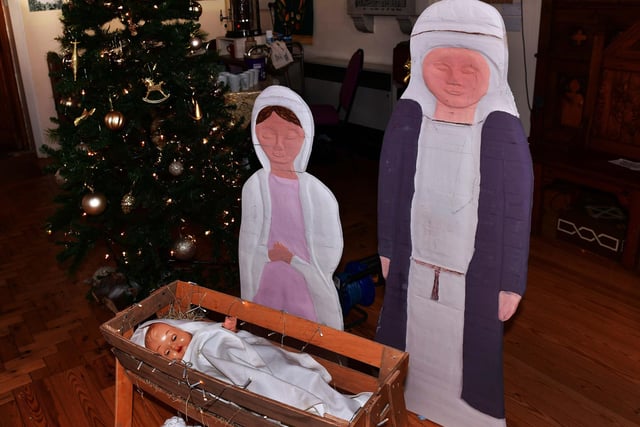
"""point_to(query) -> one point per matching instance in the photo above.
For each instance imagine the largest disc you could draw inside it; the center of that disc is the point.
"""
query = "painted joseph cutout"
(454, 210)
(290, 234)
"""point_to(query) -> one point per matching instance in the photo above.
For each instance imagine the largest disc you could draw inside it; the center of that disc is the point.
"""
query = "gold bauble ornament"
(127, 203)
(114, 120)
(94, 203)
(184, 248)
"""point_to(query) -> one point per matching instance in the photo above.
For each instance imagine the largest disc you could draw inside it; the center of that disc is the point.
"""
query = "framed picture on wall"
(40, 5)
(293, 17)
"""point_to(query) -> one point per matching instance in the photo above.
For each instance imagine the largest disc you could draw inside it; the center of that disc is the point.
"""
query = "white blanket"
(256, 364)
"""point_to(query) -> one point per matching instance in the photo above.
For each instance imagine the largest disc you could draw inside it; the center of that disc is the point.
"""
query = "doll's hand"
(230, 323)
(507, 304)
(384, 266)
(280, 252)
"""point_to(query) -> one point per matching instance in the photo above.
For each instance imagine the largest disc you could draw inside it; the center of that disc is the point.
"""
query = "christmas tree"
(149, 157)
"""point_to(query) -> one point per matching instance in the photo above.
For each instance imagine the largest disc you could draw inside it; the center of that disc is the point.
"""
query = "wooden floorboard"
(35, 405)
(572, 352)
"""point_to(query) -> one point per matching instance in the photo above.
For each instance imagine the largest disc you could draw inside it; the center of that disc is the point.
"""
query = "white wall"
(335, 36)
(34, 35)
(335, 39)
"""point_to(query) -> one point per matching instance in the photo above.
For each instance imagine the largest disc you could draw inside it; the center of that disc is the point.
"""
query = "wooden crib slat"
(214, 396)
(353, 346)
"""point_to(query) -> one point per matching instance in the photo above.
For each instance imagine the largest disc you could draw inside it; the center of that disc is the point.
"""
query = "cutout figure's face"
(167, 340)
(281, 141)
(458, 78)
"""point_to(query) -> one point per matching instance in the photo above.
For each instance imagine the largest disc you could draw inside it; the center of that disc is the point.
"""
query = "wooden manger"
(356, 365)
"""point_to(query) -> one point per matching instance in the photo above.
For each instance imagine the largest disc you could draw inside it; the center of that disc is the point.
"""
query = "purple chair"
(328, 117)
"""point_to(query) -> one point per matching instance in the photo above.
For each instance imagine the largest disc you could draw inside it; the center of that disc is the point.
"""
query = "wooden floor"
(572, 353)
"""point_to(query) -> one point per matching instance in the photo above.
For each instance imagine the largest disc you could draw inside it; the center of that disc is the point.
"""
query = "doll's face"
(457, 77)
(281, 141)
(167, 340)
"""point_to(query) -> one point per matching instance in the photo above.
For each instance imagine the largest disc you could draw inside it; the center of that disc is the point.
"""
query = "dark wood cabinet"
(587, 104)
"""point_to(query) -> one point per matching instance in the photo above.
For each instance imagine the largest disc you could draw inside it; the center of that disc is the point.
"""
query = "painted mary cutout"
(454, 210)
(290, 235)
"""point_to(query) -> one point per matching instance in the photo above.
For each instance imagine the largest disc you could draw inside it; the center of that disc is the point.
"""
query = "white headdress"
(469, 24)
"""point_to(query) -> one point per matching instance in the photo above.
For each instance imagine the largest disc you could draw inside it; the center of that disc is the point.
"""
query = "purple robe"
(501, 251)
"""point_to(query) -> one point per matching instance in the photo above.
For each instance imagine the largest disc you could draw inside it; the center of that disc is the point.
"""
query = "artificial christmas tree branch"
(144, 146)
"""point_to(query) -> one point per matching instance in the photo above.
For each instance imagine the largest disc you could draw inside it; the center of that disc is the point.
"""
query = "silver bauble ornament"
(176, 168)
(195, 43)
(94, 203)
(184, 248)
(127, 203)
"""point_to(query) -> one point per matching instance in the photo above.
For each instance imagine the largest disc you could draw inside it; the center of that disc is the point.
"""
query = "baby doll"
(238, 357)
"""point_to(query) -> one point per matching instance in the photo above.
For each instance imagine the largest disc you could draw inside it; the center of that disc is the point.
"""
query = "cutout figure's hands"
(280, 252)
(384, 266)
(507, 304)
(230, 323)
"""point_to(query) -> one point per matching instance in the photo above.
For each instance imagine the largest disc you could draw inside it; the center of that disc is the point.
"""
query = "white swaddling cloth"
(256, 364)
